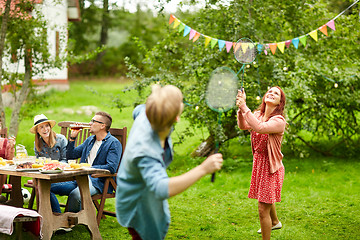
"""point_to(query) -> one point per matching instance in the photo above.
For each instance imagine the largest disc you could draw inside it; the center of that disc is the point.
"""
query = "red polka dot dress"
(264, 186)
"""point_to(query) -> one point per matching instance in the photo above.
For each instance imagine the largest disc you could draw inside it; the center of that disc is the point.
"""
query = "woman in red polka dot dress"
(267, 126)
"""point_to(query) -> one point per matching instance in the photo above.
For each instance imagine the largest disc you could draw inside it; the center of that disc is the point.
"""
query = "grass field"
(320, 198)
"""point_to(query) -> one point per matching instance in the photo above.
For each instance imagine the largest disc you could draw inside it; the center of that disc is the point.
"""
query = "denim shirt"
(107, 157)
(58, 152)
(142, 181)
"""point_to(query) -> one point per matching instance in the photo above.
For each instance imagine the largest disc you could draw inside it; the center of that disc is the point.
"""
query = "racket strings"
(245, 51)
(222, 90)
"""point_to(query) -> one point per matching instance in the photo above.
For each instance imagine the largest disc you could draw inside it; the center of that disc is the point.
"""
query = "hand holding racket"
(241, 97)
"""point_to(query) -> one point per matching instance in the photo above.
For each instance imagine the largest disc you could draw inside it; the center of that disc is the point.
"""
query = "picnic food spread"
(4, 162)
(24, 165)
(38, 165)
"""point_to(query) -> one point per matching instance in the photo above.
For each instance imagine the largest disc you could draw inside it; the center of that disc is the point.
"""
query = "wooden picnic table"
(51, 221)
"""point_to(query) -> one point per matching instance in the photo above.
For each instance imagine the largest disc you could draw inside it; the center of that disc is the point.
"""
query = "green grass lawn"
(320, 197)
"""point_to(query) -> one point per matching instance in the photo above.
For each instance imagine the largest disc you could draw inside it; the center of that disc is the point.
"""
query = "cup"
(42, 160)
(71, 161)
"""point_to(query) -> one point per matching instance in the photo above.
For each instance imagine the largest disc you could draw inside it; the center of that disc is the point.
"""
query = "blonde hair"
(52, 139)
(163, 106)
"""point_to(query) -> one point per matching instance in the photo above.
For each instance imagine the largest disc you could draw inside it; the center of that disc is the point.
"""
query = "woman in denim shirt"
(47, 142)
(143, 184)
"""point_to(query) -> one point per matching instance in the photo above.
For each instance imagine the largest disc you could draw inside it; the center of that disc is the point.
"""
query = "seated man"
(101, 150)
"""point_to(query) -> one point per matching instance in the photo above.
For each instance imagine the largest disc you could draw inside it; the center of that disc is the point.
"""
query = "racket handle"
(216, 151)
(213, 177)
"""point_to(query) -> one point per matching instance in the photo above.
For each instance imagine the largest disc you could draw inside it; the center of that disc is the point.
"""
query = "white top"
(94, 151)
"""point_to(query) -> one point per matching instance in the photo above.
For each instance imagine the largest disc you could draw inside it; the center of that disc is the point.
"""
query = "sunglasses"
(93, 120)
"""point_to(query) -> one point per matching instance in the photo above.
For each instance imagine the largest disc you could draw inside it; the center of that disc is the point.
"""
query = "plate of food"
(54, 167)
(26, 167)
(77, 166)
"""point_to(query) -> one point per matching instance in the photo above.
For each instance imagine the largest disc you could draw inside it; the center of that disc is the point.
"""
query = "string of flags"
(195, 35)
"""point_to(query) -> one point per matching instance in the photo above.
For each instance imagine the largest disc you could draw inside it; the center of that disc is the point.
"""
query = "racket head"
(222, 89)
(245, 51)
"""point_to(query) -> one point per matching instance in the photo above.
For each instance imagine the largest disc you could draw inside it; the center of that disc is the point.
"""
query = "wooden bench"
(21, 221)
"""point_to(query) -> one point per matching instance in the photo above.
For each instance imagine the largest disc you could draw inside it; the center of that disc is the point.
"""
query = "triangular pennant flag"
(207, 40)
(192, 34)
(236, 46)
(171, 19)
(281, 46)
(221, 44)
(314, 35)
(244, 46)
(196, 37)
(303, 40)
(323, 29)
(181, 27)
(259, 47)
(186, 30)
(295, 42)
(213, 42)
(176, 23)
(331, 24)
(272, 48)
(287, 43)
(228, 46)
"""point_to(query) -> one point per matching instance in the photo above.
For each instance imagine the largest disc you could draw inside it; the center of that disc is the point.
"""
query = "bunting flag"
(273, 47)
(281, 46)
(287, 43)
(181, 27)
(331, 24)
(221, 44)
(186, 30)
(303, 40)
(207, 40)
(172, 18)
(176, 23)
(213, 42)
(228, 46)
(295, 42)
(192, 34)
(195, 35)
(236, 46)
(323, 29)
(314, 35)
(244, 46)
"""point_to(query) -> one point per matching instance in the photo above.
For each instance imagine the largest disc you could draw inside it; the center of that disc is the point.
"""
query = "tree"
(104, 30)
(4, 23)
(26, 38)
(318, 114)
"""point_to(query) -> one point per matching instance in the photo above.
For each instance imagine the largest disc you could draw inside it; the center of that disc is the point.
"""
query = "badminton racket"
(245, 53)
(221, 96)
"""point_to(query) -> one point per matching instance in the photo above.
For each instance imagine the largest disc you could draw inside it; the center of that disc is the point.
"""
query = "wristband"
(72, 138)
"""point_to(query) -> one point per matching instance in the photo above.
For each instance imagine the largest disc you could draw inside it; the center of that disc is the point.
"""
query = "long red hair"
(279, 110)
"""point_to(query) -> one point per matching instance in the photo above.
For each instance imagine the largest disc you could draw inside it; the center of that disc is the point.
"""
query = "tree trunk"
(104, 31)
(24, 92)
(2, 44)
(207, 147)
